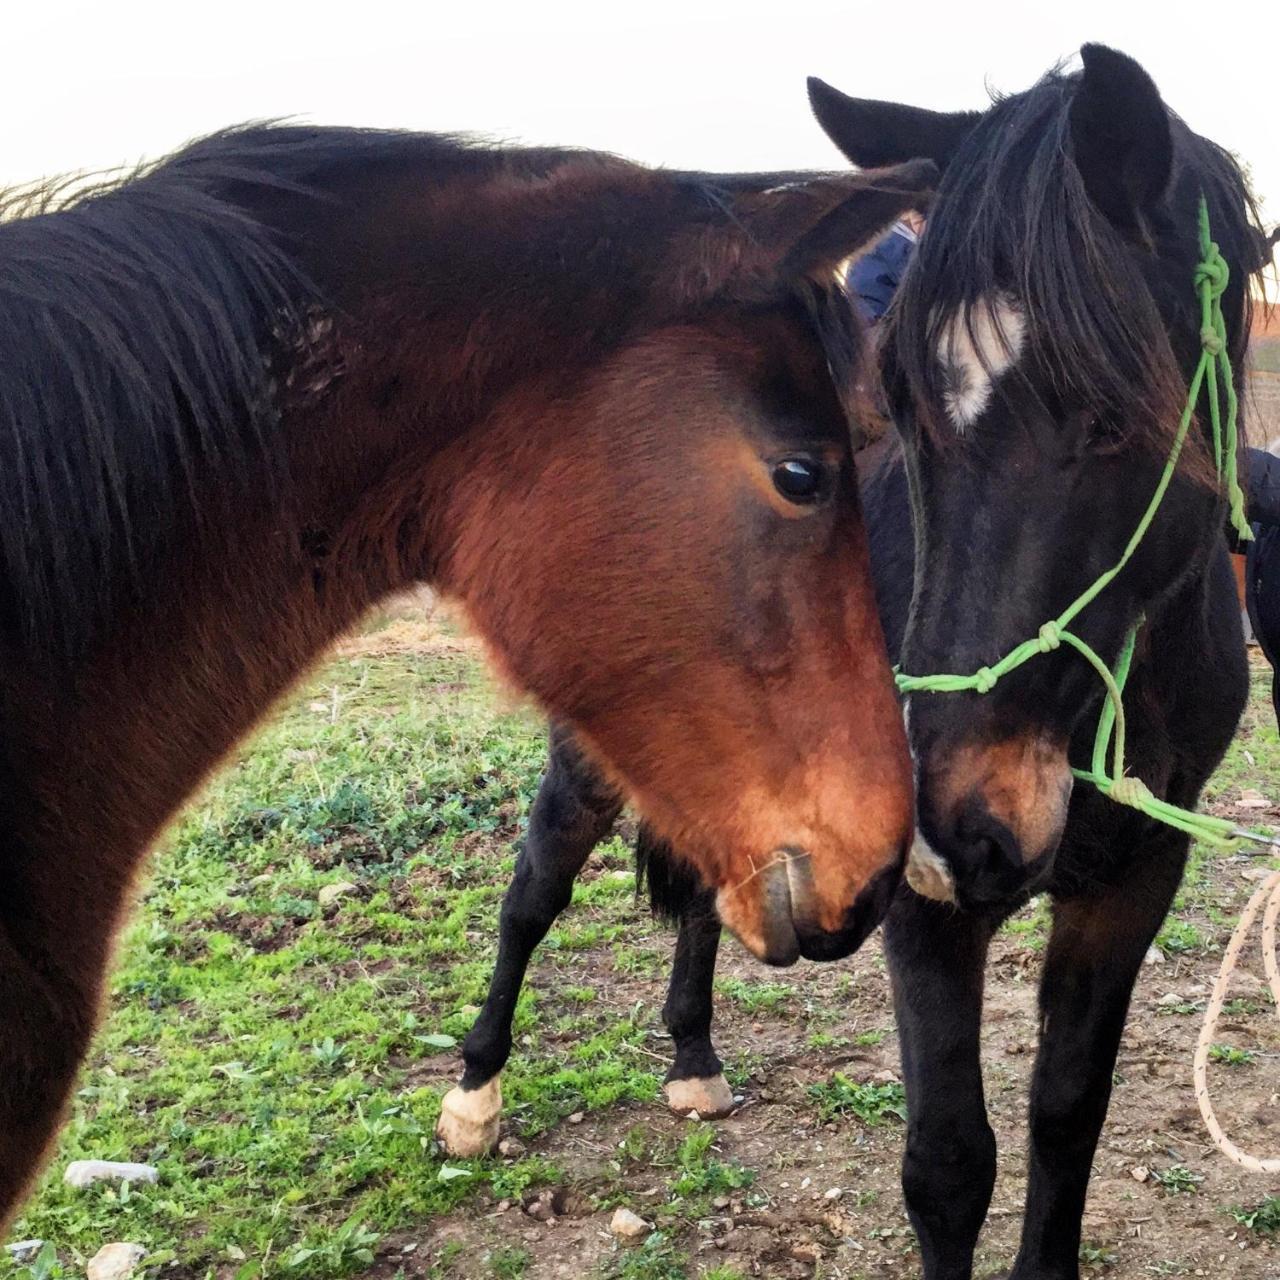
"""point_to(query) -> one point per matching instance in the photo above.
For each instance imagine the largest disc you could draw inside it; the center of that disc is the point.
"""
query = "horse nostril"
(988, 855)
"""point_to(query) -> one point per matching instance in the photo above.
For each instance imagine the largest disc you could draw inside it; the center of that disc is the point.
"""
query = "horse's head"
(666, 547)
(1038, 364)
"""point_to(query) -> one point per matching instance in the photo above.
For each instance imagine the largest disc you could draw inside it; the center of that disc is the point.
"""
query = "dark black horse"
(1037, 363)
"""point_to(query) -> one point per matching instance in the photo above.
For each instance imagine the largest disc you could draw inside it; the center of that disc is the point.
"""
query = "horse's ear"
(874, 133)
(1120, 136)
(763, 239)
(870, 203)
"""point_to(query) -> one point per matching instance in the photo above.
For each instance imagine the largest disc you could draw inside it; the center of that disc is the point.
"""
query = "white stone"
(629, 1226)
(330, 893)
(114, 1261)
(84, 1173)
(24, 1250)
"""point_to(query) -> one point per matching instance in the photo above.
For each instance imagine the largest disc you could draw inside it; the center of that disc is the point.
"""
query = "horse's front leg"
(936, 959)
(696, 1081)
(575, 810)
(1095, 950)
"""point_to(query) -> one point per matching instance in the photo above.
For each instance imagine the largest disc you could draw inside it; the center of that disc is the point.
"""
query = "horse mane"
(1018, 221)
(143, 320)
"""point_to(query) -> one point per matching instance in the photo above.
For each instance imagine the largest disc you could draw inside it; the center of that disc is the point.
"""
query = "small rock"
(720, 1202)
(626, 1225)
(1256, 873)
(504, 1205)
(24, 1250)
(578, 1117)
(84, 1173)
(512, 1148)
(411, 1247)
(114, 1261)
(1250, 798)
(833, 1194)
(1154, 956)
(1170, 998)
(330, 893)
(1140, 1173)
(621, 875)
(695, 1116)
(885, 1077)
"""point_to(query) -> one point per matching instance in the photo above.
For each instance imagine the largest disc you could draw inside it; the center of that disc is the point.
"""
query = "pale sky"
(691, 85)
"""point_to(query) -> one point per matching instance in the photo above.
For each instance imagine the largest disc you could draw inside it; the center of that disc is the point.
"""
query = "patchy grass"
(1263, 1217)
(1178, 1179)
(279, 1063)
(871, 1103)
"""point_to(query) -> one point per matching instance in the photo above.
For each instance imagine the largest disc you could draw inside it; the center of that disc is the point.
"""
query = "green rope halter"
(1211, 277)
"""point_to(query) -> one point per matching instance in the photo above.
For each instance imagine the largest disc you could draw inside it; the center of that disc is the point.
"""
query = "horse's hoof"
(469, 1119)
(709, 1096)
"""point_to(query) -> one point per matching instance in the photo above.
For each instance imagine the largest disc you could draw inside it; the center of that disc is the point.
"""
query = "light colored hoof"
(711, 1097)
(928, 874)
(469, 1119)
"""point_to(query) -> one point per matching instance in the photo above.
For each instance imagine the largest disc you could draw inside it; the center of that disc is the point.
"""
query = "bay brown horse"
(252, 389)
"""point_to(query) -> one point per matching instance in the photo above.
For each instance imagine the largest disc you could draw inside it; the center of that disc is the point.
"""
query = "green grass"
(870, 1103)
(755, 997)
(1231, 1057)
(274, 1061)
(1178, 1179)
(1263, 1217)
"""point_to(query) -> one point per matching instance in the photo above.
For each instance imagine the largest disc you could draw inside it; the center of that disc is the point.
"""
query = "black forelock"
(1012, 216)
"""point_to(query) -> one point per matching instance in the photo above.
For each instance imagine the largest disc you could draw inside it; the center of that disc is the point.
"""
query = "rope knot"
(1210, 340)
(1131, 791)
(1213, 271)
(984, 680)
(1050, 636)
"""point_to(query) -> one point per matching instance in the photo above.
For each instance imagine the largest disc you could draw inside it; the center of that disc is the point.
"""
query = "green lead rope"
(1214, 367)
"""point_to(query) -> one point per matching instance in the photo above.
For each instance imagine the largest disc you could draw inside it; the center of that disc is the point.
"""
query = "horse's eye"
(798, 479)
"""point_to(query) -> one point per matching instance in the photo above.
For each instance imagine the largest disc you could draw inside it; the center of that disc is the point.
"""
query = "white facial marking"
(978, 344)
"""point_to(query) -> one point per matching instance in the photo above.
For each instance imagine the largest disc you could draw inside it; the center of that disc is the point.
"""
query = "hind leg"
(575, 810)
(55, 941)
(696, 1081)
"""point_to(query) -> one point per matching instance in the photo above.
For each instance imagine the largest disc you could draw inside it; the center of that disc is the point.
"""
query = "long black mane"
(1014, 218)
(140, 319)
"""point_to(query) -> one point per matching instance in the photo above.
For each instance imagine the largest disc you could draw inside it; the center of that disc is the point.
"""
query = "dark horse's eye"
(798, 479)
